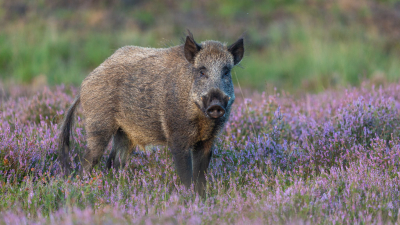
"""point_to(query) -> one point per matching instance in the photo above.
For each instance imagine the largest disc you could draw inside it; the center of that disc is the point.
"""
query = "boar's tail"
(64, 143)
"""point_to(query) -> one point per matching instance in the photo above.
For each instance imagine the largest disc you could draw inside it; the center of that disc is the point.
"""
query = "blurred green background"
(298, 46)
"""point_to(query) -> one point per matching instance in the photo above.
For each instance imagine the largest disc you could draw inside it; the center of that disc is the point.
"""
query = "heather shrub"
(330, 158)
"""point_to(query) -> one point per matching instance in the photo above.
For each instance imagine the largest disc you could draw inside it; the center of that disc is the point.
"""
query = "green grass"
(294, 55)
(63, 56)
(314, 59)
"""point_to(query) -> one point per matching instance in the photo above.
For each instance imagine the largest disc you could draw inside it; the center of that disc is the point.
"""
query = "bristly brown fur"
(142, 96)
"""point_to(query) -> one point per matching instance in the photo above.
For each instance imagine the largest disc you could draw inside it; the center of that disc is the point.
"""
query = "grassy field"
(331, 158)
(299, 47)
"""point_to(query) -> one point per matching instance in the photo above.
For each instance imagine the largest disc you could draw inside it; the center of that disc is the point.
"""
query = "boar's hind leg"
(201, 157)
(121, 149)
(98, 137)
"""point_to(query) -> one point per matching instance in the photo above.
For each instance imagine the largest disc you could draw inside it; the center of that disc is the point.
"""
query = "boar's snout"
(215, 103)
(215, 111)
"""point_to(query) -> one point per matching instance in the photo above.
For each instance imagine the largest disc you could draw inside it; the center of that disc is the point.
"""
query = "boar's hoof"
(215, 111)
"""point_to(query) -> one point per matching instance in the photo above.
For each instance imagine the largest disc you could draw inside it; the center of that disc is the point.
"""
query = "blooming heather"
(330, 158)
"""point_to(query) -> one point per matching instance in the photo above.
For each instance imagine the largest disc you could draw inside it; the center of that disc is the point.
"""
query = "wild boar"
(180, 97)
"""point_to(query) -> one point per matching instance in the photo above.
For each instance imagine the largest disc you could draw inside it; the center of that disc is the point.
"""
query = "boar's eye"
(202, 72)
(226, 72)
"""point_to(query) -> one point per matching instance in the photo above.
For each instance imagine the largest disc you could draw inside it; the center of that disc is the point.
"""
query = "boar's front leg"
(201, 157)
(183, 161)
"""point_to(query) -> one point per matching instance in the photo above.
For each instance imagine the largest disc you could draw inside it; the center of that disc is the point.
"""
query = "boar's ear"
(237, 50)
(191, 48)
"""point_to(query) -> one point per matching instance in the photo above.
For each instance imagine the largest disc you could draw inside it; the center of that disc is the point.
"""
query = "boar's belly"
(142, 135)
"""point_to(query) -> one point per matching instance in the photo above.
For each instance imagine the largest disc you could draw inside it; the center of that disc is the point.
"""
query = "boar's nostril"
(215, 111)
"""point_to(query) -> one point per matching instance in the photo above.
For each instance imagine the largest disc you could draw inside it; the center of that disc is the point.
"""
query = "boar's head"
(212, 88)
